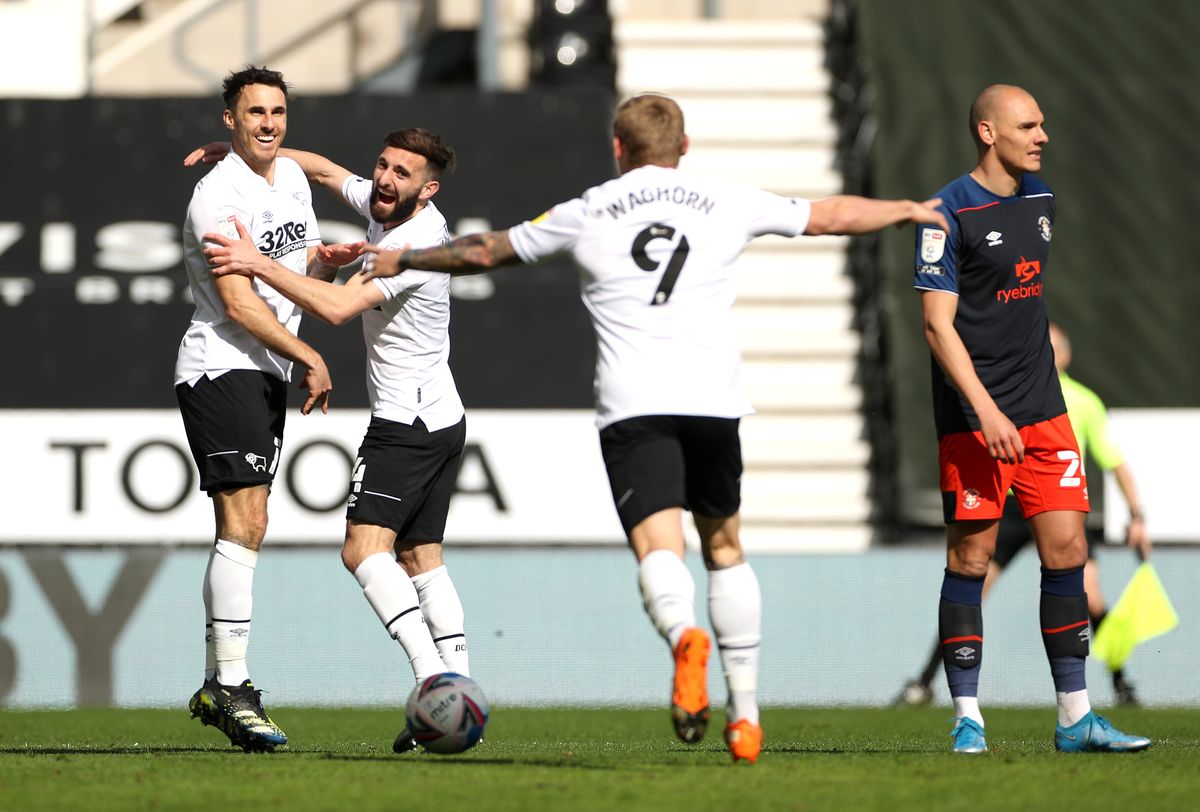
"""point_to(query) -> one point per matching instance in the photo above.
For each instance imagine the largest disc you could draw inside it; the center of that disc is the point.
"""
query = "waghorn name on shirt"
(677, 194)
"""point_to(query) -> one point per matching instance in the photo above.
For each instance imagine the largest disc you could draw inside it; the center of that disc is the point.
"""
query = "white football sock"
(735, 611)
(394, 599)
(443, 612)
(668, 593)
(231, 587)
(968, 706)
(1072, 706)
(210, 650)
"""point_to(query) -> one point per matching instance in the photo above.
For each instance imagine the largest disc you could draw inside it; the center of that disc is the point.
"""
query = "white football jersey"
(408, 335)
(281, 222)
(655, 250)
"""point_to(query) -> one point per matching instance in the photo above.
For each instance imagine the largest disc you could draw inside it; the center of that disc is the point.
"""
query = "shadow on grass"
(112, 751)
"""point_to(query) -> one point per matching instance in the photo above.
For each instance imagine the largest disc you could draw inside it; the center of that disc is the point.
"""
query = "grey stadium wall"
(1116, 82)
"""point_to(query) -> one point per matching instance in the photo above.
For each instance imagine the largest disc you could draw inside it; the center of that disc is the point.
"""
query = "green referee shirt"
(1089, 418)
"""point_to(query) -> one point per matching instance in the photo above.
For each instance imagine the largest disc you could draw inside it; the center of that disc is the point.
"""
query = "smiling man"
(1000, 415)
(231, 378)
(408, 462)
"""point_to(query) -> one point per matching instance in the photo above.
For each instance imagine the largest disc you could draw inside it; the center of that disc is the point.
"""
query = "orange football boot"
(689, 698)
(745, 740)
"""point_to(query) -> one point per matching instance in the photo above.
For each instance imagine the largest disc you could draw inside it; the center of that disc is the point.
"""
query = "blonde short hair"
(650, 129)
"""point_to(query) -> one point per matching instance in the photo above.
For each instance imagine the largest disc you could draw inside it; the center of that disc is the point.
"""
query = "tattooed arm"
(473, 253)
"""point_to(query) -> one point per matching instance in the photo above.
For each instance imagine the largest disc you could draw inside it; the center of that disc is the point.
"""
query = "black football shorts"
(657, 462)
(404, 477)
(234, 426)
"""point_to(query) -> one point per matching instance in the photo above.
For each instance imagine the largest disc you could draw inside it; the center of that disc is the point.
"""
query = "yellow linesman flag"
(1143, 611)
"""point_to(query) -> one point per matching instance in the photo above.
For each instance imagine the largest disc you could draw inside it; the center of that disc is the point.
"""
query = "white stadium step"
(815, 495)
(781, 452)
(815, 537)
(756, 118)
(816, 384)
(820, 329)
(713, 55)
(762, 432)
(783, 276)
(794, 172)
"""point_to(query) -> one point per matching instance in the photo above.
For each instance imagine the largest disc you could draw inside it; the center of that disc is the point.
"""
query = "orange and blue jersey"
(994, 259)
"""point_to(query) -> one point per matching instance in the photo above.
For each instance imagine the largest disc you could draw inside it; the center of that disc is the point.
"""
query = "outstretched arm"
(939, 307)
(335, 304)
(317, 168)
(473, 253)
(320, 170)
(850, 214)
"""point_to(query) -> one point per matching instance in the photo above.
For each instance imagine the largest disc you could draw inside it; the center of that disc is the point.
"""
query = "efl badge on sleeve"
(933, 244)
(226, 226)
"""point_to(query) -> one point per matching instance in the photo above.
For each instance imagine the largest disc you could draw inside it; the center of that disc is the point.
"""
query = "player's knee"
(972, 566)
(417, 558)
(719, 557)
(248, 533)
(720, 544)
(349, 559)
(354, 554)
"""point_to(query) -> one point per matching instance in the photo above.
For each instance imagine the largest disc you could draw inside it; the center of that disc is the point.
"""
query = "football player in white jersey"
(231, 379)
(408, 463)
(655, 249)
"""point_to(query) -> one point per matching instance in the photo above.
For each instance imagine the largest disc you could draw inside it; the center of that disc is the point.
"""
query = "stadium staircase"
(183, 47)
(756, 97)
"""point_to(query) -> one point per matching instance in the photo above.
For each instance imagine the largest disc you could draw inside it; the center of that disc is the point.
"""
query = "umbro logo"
(965, 653)
(994, 238)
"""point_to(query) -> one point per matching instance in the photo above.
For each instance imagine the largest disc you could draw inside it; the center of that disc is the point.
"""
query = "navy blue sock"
(960, 629)
(1065, 627)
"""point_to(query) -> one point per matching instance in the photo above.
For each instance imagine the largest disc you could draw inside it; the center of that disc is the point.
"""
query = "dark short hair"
(437, 153)
(231, 88)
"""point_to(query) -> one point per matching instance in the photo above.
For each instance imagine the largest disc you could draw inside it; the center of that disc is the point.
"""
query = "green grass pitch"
(593, 759)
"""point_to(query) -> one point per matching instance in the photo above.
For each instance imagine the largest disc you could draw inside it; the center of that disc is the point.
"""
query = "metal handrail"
(422, 16)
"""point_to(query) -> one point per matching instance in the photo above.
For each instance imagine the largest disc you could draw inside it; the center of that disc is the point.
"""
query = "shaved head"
(990, 101)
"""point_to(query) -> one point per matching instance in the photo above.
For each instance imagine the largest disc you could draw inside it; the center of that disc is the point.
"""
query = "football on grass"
(447, 713)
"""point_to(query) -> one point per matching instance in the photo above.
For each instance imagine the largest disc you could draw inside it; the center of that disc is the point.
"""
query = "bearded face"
(388, 208)
(400, 178)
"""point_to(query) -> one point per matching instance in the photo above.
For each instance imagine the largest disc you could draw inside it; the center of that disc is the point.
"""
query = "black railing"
(852, 107)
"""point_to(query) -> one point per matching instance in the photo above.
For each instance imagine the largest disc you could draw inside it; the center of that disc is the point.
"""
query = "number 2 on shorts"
(1069, 480)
